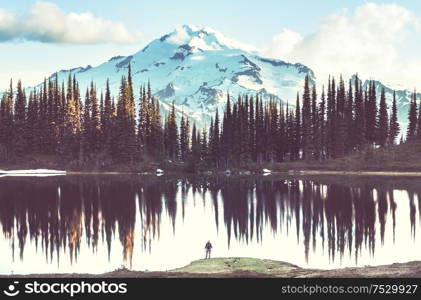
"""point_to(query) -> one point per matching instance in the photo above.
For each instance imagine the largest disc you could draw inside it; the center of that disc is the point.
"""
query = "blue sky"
(253, 22)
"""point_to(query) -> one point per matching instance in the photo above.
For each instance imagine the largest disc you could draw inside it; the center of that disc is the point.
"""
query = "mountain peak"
(203, 38)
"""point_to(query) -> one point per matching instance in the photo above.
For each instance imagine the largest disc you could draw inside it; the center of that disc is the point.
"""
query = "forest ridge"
(105, 129)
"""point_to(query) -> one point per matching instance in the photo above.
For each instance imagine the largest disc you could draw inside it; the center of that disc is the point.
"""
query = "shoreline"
(292, 172)
(235, 267)
(357, 173)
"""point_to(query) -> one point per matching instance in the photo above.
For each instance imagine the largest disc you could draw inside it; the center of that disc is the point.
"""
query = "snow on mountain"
(196, 67)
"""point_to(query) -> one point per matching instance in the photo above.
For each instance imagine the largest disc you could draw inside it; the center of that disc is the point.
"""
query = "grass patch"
(236, 264)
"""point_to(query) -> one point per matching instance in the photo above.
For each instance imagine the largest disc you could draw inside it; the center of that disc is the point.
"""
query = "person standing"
(208, 248)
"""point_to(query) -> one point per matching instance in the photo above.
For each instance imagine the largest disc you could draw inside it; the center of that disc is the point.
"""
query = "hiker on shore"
(208, 248)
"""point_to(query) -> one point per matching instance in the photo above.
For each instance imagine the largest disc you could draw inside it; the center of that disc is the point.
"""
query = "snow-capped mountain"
(196, 67)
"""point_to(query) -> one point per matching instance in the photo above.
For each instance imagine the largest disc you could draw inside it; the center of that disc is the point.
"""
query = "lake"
(96, 224)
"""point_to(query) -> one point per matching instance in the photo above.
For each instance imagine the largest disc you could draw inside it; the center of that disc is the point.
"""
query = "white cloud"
(377, 41)
(284, 43)
(45, 22)
(7, 25)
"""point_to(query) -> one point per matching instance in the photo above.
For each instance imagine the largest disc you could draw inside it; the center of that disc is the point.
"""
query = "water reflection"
(57, 216)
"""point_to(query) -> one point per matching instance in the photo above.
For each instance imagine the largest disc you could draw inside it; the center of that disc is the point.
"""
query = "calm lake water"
(96, 224)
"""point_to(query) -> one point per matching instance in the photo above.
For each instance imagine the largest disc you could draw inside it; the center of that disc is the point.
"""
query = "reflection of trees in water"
(344, 217)
(57, 213)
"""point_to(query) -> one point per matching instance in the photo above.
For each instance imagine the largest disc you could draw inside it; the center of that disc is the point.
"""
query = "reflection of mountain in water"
(61, 213)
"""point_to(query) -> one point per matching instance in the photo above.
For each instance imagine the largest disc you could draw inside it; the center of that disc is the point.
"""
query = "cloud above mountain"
(379, 41)
(45, 22)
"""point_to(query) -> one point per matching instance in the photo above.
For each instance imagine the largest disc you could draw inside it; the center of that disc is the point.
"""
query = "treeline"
(53, 120)
(55, 123)
(342, 121)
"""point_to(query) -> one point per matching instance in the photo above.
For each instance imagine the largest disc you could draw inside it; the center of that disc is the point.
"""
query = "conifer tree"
(394, 125)
(79, 107)
(340, 123)
(383, 121)
(44, 128)
(86, 130)
(6, 124)
(195, 145)
(359, 122)
(260, 130)
(306, 121)
(172, 142)
(315, 132)
(322, 125)
(210, 143)
(107, 121)
(95, 122)
(331, 118)
(235, 133)
(71, 129)
(125, 131)
(204, 145)
(226, 136)
(297, 131)
(413, 119)
(350, 140)
(32, 123)
(184, 138)
(215, 150)
(419, 121)
(283, 138)
(252, 130)
(157, 133)
(20, 127)
(371, 114)
(273, 133)
(143, 121)
(61, 121)
(290, 133)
